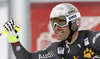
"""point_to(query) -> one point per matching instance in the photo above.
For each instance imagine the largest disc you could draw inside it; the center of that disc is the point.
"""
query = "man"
(65, 20)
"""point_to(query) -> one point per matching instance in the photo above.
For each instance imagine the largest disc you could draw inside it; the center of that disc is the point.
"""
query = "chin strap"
(69, 39)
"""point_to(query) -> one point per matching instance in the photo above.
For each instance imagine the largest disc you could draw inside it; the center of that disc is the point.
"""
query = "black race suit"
(87, 46)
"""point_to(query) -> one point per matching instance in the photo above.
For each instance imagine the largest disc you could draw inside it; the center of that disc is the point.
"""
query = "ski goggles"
(60, 21)
(63, 21)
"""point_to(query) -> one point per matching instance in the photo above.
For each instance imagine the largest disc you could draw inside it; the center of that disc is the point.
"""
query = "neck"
(74, 37)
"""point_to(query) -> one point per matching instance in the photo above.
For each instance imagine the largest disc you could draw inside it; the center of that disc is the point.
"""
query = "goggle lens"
(59, 22)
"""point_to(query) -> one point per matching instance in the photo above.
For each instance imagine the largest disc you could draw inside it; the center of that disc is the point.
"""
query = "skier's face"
(61, 32)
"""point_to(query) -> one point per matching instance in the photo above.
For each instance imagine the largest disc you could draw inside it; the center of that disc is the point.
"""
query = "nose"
(57, 27)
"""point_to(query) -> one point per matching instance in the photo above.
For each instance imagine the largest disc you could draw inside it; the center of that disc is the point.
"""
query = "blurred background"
(33, 15)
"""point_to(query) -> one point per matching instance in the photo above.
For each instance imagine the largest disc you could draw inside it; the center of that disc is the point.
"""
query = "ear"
(74, 25)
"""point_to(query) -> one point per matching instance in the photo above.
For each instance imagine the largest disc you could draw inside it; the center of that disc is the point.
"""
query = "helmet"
(67, 14)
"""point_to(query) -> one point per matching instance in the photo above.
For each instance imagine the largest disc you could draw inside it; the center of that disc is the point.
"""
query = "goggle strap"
(69, 39)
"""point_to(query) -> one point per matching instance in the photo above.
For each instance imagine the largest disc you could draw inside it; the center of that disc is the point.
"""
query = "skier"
(65, 20)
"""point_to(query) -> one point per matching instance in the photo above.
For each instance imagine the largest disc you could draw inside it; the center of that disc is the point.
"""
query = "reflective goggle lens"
(59, 22)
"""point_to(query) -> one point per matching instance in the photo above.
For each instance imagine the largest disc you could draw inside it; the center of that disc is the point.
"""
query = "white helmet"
(67, 12)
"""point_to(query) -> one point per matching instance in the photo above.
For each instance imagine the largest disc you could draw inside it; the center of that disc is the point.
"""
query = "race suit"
(87, 46)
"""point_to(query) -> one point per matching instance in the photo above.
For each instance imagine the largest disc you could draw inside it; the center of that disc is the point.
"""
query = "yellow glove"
(11, 28)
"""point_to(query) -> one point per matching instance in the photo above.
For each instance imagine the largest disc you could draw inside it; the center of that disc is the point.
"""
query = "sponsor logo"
(59, 8)
(88, 53)
(18, 48)
(73, 16)
(46, 56)
(71, 11)
(60, 50)
(86, 41)
(94, 39)
(77, 22)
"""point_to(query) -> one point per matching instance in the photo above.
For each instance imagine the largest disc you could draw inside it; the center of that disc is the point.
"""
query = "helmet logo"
(77, 22)
(59, 8)
(72, 11)
(74, 16)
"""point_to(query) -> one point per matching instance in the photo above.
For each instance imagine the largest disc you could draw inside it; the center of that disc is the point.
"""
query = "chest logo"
(60, 50)
(88, 53)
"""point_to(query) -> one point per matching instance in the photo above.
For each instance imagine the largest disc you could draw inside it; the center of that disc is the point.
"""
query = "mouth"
(59, 32)
(59, 35)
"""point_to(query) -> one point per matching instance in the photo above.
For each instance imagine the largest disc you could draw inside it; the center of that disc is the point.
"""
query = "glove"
(10, 29)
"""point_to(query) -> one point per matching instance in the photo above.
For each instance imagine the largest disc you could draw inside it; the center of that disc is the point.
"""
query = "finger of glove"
(12, 23)
(6, 27)
(11, 26)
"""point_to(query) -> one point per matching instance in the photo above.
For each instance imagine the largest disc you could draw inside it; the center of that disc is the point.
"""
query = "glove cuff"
(15, 43)
(13, 38)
